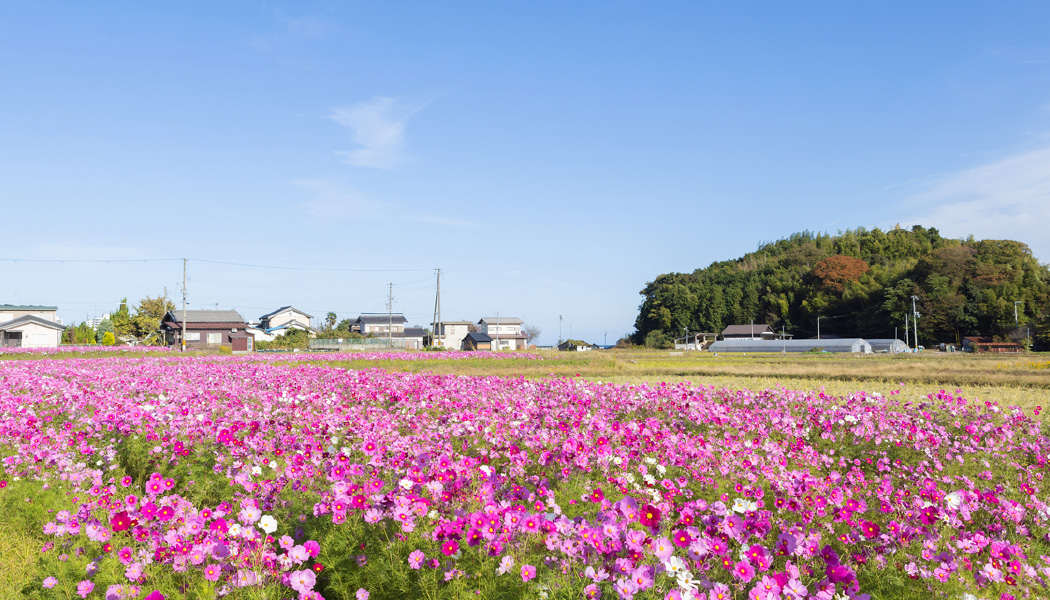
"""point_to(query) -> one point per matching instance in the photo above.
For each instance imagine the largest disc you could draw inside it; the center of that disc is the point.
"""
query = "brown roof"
(757, 328)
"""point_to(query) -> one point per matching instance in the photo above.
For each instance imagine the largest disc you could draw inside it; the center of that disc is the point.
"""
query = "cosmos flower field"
(276, 477)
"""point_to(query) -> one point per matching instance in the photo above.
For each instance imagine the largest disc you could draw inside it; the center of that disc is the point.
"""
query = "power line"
(209, 261)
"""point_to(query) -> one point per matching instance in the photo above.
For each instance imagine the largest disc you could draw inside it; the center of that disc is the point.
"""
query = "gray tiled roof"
(382, 318)
(207, 316)
(757, 328)
(501, 320)
(284, 308)
(14, 323)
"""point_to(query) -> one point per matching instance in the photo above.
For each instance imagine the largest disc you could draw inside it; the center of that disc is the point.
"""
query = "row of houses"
(207, 329)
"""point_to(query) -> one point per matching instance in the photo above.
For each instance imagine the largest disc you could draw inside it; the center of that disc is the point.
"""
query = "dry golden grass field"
(1022, 380)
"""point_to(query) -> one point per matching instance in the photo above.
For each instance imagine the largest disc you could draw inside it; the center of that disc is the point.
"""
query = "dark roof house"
(757, 331)
(208, 329)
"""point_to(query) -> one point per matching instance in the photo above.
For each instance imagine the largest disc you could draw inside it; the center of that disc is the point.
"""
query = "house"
(476, 340)
(279, 322)
(450, 334)
(505, 332)
(382, 324)
(576, 346)
(413, 337)
(390, 327)
(208, 330)
(29, 326)
(755, 331)
(976, 343)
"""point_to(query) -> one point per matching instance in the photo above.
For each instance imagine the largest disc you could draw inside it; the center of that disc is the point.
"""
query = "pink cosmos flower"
(415, 559)
(212, 572)
(302, 581)
(743, 571)
(450, 547)
(528, 572)
(84, 588)
(649, 516)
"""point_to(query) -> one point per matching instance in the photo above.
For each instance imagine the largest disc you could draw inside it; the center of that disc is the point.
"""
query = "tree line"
(123, 325)
(860, 283)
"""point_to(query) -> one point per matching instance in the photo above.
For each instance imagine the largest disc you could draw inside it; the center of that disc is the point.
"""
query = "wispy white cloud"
(285, 43)
(333, 201)
(1005, 199)
(378, 127)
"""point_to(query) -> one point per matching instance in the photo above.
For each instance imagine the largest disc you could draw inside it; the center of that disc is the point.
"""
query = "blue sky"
(550, 158)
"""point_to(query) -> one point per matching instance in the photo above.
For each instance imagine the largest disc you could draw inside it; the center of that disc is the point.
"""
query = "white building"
(450, 334)
(283, 319)
(382, 324)
(23, 326)
(505, 332)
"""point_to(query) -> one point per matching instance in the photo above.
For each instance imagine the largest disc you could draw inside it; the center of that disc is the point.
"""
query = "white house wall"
(453, 335)
(38, 336)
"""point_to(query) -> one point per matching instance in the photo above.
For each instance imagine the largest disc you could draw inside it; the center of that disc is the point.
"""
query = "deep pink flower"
(528, 572)
(450, 547)
(649, 516)
(743, 571)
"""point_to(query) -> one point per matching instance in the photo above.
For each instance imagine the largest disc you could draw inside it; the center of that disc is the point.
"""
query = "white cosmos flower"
(674, 565)
(953, 500)
(268, 524)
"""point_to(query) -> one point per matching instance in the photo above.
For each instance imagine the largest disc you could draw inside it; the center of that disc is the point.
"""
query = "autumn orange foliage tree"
(834, 271)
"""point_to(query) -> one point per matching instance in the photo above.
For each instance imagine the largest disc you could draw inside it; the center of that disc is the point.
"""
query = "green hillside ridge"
(860, 283)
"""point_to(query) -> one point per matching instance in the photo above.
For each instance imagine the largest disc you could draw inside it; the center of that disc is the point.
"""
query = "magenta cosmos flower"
(528, 572)
(649, 516)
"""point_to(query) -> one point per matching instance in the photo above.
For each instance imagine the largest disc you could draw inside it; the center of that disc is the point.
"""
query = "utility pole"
(183, 341)
(559, 330)
(497, 332)
(437, 311)
(1017, 326)
(907, 332)
(915, 319)
(390, 318)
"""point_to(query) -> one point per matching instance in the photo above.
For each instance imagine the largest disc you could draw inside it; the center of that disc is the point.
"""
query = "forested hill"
(861, 284)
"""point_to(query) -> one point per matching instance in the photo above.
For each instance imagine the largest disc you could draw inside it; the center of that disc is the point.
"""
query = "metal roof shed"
(854, 345)
(891, 345)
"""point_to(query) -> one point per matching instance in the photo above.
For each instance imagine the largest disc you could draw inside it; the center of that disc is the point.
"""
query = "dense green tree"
(106, 326)
(148, 315)
(866, 279)
(123, 325)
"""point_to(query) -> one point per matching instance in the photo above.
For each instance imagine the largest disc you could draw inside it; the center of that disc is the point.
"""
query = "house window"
(193, 336)
(214, 339)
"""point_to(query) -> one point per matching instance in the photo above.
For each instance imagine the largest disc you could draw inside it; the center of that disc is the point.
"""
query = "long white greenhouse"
(891, 345)
(854, 345)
